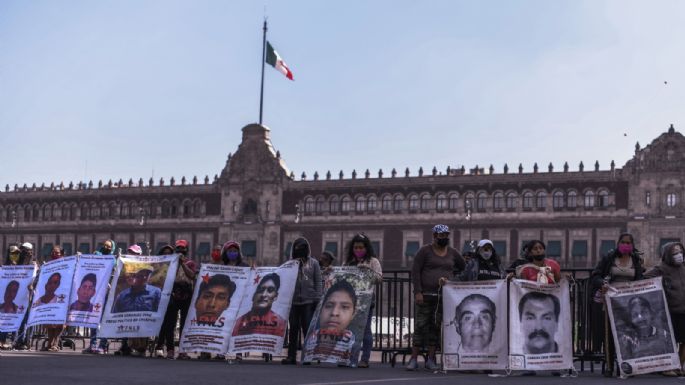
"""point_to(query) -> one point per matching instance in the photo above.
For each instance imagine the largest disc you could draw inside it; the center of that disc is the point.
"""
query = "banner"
(214, 308)
(89, 290)
(539, 326)
(337, 329)
(475, 325)
(14, 286)
(139, 296)
(51, 298)
(641, 325)
(264, 310)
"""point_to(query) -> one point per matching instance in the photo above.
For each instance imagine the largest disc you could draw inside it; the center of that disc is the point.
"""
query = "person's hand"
(510, 276)
(604, 289)
(328, 270)
(442, 281)
(418, 298)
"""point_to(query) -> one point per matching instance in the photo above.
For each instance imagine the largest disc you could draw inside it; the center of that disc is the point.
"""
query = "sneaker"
(170, 354)
(413, 364)
(159, 353)
(431, 365)
(99, 351)
(363, 364)
(87, 351)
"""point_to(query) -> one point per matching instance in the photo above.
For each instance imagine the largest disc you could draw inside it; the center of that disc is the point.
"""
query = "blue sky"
(117, 89)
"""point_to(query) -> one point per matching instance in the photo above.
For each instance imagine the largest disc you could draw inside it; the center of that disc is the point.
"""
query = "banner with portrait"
(14, 292)
(337, 329)
(139, 296)
(89, 290)
(642, 328)
(264, 310)
(51, 296)
(539, 326)
(219, 290)
(475, 325)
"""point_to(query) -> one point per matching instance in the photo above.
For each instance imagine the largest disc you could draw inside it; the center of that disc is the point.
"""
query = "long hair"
(350, 260)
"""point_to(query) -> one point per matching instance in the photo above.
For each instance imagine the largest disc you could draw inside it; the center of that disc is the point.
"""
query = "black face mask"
(300, 253)
(442, 242)
(539, 257)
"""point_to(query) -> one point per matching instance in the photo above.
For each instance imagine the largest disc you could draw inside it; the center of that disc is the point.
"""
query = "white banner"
(51, 298)
(337, 329)
(264, 310)
(641, 325)
(89, 290)
(214, 308)
(475, 325)
(14, 286)
(540, 326)
(139, 296)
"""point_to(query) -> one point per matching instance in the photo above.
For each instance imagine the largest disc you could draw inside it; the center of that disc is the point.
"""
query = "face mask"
(300, 253)
(486, 254)
(216, 255)
(442, 242)
(359, 254)
(233, 255)
(539, 257)
(678, 258)
(625, 249)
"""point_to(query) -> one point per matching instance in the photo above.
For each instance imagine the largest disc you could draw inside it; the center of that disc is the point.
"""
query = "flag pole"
(261, 93)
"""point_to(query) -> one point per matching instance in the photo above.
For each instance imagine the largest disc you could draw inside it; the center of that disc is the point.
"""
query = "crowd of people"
(433, 266)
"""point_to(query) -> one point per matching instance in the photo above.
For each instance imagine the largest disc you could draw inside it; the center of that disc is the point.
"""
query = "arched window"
(320, 202)
(454, 201)
(671, 199)
(571, 199)
(511, 200)
(480, 201)
(360, 205)
(558, 200)
(425, 202)
(468, 202)
(372, 203)
(441, 202)
(387, 203)
(541, 200)
(398, 204)
(346, 204)
(309, 205)
(413, 202)
(589, 199)
(527, 200)
(334, 204)
(498, 201)
(603, 197)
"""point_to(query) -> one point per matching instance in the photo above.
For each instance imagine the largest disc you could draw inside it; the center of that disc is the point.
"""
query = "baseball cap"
(14, 249)
(484, 242)
(440, 229)
(181, 243)
(27, 246)
(135, 249)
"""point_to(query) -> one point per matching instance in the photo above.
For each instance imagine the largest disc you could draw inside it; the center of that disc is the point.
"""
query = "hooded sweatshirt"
(101, 250)
(309, 283)
(673, 278)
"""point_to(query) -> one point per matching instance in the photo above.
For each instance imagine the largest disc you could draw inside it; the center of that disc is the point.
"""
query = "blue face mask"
(233, 255)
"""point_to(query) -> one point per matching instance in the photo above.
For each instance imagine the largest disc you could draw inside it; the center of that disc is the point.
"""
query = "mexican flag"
(273, 58)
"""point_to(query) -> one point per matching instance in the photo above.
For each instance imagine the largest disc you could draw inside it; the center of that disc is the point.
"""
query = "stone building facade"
(259, 202)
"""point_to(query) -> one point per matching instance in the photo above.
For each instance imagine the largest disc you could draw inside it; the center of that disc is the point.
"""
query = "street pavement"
(68, 367)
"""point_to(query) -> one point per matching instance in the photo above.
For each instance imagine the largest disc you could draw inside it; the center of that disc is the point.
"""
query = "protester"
(326, 259)
(125, 349)
(216, 254)
(539, 268)
(108, 248)
(53, 331)
(181, 296)
(360, 253)
(484, 265)
(622, 264)
(25, 258)
(433, 264)
(305, 297)
(673, 273)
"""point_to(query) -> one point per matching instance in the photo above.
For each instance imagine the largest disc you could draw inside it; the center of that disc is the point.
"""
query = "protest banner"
(539, 326)
(15, 281)
(216, 300)
(264, 310)
(641, 326)
(139, 296)
(475, 325)
(337, 329)
(51, 298)
(89, 290)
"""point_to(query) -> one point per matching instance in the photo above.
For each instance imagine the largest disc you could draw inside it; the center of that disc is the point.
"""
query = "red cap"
(182, 243)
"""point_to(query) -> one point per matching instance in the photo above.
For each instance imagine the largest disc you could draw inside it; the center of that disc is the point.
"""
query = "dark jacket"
(603, 269)
(309, 282)
(673, 278)
(473, 268)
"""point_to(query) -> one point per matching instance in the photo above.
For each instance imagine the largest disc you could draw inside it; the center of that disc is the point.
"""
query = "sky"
(99, 90)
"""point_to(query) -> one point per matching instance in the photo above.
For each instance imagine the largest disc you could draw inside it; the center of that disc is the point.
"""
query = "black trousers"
(299, 320)
(166, 334)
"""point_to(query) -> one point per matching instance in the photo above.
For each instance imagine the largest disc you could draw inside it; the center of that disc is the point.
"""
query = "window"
(413, 202)
(411, 248)
(480, 202)
(441, 202)
(203, 250)
(334, 203)
(309, 205)
(589, 200)
(68, 248)
(248, 248)
(498, 201)
(571, 199)
(372, 203)
(320, 202)
(511, 201)
(528, 200)
(360, 205)
(541, 200)
(501, 248)
(331, 247)
(120, 245)
(387, 203)
(84, 248)
(558, 200)
(346, 204)
(468, 202)
(399, 203)
(377, 248)
(579, 249)
(454, 201)
(46, 250)
(670, 200)
(603, 197)
(553, 249)
(425, 202)
(605, 246)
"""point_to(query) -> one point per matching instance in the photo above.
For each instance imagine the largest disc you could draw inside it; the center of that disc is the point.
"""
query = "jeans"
(94, 340)
(299, 320)
(367, 342)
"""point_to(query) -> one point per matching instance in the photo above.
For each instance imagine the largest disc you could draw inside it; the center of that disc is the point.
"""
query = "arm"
(416, 269)
(318, 280)
(598, 274)
(468, 273)
(188, 267)
(377, 270)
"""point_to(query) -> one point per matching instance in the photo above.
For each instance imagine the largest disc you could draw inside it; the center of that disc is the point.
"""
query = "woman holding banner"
(623, 264)
(485, 265)
(360, 253)
(53, 331)
(539, 268)
(673, 273)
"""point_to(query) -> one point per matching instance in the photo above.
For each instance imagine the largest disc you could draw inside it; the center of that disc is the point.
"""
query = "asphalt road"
(71, 368)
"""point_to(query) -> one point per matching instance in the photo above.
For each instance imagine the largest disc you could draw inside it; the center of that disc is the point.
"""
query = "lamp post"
(468, 218)
(14, 225)
(298, 213)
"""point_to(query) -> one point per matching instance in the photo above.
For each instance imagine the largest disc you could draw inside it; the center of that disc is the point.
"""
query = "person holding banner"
(18, 256)
(108, 248)
(673, 273)
(433, 264)
(622, 264)
(305, 297)
(360, 253)
(539, 269)
(54, 331)
(484, 266)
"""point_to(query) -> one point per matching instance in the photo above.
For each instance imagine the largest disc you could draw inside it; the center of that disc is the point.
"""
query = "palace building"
(257, 201)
